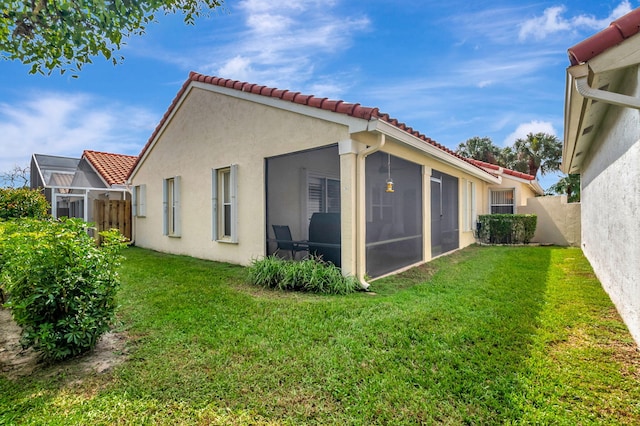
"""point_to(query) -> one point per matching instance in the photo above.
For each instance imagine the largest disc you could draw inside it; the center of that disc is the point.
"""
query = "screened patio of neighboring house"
(303, 193)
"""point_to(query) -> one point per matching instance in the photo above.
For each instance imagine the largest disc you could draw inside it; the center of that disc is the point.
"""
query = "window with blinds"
(323, 195)
(502, 201)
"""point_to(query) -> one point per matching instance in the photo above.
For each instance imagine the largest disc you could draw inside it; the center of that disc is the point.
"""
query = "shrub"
(311, 274)
(506, 228)
(22, 202)
(60, 286)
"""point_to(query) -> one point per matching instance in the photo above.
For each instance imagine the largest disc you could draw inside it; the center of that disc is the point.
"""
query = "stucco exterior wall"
(203, 134)
(610, 198)
(558, 221)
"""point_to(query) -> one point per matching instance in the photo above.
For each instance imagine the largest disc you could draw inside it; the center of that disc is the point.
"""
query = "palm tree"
(538, 152)
(481, 149)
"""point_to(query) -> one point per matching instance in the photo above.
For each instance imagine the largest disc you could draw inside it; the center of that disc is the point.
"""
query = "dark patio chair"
(285, 241)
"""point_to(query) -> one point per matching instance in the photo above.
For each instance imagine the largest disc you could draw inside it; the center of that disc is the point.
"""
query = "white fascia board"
(432, 151)
(353, 123)
(574, 106)
(623, 55)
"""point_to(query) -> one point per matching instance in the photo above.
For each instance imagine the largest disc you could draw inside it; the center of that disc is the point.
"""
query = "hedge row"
(506, 228)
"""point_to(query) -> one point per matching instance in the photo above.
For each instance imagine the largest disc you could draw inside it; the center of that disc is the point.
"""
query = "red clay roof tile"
(506, 171)
(619, 30)
(114, 168)
(338, 106)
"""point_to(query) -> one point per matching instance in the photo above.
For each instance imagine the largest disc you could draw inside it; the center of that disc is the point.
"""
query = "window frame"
(171, 218)
(325, 204)
(492, 191)
(139, 200)
(221, 198)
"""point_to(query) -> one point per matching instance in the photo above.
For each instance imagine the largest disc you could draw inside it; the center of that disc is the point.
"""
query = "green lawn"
(488, 335)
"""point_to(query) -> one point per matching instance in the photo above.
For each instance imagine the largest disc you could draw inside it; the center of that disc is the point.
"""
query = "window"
(469, 210)
(171, 205)
(323, 195)
(502, 201)
(139, 200)
(224, 204)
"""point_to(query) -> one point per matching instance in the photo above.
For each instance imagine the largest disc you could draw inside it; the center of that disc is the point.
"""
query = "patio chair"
(285, 241)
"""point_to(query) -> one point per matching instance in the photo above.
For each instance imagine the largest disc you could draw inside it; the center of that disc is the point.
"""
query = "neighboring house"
(514, 190)
(72, 185)
(602, 143)
(229, 160)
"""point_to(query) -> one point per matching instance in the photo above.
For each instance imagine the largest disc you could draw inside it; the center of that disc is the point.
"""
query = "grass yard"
(488, 335)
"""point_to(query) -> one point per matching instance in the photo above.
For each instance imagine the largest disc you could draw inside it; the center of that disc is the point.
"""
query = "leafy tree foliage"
(22, 202)
(63, 34)
(537, 152)
(481, 149)
(569, 185)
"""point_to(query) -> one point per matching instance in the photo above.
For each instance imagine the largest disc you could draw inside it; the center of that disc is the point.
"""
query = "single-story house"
(231, 163)
(72, 185)
(602, 143)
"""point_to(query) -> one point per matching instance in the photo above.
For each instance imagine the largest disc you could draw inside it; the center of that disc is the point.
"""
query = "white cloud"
(524, 129)
(64, 124)
(552, 21)
(283, 42)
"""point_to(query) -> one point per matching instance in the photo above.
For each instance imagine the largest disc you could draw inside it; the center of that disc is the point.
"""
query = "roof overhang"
(418, 144)
(589, 93)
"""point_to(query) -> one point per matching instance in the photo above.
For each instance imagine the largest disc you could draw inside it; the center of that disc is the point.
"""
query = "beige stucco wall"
(558, 221)
(203, 134)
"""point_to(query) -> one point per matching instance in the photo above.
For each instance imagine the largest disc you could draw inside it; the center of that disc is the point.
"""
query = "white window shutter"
(142, 201)
(214, 204)
(134, 201)
(234, 202)
(177, 185)
(165, 207)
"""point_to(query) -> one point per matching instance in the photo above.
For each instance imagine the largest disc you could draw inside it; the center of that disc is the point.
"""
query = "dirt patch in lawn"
(17, 362)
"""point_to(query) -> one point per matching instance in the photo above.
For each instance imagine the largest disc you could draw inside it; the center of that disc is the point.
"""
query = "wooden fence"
(110, 214)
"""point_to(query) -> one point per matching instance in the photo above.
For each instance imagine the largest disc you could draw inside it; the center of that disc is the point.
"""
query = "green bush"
(59, 285)
(311, 274)
(22, 202)
(506, 228)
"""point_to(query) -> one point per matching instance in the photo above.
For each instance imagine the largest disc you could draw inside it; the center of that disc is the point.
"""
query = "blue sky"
(452, 70)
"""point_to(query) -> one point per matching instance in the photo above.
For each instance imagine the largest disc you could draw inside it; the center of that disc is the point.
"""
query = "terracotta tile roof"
(114, 168)
(338, 106)
(506, 171)
(619, 30)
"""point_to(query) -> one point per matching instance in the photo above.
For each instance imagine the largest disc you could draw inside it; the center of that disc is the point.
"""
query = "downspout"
(361, 215)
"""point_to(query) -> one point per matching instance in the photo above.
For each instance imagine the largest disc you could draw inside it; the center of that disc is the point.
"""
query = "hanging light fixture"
(389, 180)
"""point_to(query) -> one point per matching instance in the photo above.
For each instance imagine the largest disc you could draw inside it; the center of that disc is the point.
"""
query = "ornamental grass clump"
(60, 286)
(309, 275)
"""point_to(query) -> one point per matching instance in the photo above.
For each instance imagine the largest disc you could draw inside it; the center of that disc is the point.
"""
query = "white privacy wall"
(610, 200)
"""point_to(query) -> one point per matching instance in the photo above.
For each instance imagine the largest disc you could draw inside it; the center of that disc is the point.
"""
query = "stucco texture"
(610, 198)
